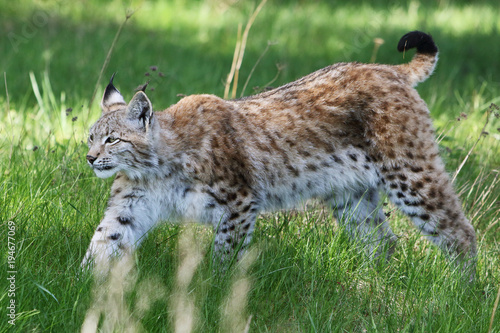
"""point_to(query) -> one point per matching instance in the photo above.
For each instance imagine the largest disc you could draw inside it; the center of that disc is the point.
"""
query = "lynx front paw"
(105, 246)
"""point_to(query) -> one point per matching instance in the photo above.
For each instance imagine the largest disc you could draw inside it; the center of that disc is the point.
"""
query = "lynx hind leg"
(362, 215)
(424, 193)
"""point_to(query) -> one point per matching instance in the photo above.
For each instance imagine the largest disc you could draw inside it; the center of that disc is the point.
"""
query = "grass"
(307, 277)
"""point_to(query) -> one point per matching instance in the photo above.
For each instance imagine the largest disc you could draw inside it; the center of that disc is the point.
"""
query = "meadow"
(303, 274)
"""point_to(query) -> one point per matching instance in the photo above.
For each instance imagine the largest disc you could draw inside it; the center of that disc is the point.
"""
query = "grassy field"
(303, 274)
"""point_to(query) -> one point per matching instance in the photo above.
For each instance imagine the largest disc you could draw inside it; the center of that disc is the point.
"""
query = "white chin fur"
(105, 173)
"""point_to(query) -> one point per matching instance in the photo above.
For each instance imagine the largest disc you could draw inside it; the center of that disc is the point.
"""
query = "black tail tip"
(422, 41)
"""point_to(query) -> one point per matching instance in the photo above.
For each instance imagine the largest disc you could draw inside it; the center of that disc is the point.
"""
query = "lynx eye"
(112, 140)
(91, 138)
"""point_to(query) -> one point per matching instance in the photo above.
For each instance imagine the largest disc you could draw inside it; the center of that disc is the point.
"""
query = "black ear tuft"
(142, 87)
(112, 99)
(112, 78)
(422, 41)
(110, 88)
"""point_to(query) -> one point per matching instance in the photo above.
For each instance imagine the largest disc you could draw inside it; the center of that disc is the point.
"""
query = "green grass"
(308, 277)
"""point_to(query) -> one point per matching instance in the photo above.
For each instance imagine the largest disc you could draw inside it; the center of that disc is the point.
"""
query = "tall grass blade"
(495, 306)
(36, 91)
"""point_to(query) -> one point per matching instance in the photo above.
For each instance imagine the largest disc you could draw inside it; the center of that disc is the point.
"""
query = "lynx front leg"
(234, 233)
(111, 239)
(126, 221)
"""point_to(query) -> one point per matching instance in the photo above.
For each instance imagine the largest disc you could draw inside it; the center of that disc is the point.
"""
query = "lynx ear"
(140, 109)
(112, 99)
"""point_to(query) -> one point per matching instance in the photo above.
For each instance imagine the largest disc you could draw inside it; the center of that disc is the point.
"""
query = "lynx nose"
(91, 159)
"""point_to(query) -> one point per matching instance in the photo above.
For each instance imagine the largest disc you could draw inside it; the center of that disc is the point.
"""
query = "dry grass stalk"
(254, 66)
(378, 42)
(481, 196)
(108, 57)
(109, 300)
(233, 64)
(233, 317)
(183, 309)
(494, 310)
(488, 113)
(239, 52)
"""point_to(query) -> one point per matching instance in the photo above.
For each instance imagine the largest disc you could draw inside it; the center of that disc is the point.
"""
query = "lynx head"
(123, 137)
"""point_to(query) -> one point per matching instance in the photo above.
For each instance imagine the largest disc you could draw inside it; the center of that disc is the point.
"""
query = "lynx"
(343, 135)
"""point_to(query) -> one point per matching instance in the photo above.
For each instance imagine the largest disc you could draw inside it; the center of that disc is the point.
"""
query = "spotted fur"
(342, 134)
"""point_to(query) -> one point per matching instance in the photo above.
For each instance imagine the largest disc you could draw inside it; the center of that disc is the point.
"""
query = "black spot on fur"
(390, 177)
(430, 207)
(418, 185)
(186, 190)
(219, 200)
(416, 169)
(115, 236)
(425, 217)
(232, 196)
(294, 171)
(311, 167)
(125, 220)
(413, 203)
(337, 159)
